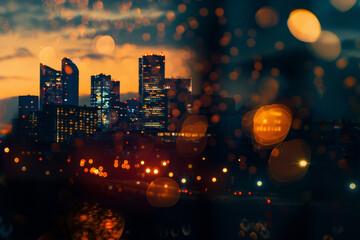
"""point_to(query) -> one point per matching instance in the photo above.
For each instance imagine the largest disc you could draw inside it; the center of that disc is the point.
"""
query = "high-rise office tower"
(105, 96)
(59, 87)
(70, 79)
(27, 105)
(153, 104)
(51, 86)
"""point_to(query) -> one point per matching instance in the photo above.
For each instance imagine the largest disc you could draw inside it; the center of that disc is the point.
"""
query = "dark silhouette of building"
(28, 104)
(70, 79)
(153, 103)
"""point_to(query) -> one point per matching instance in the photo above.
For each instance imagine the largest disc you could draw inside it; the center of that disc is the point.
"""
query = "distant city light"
(183, 180)
(171, 174)
(6, 150)
(259, 183)
(214, 179)
(147, 170)
(142, 162)
(224, 170)
(352, 186)
(156, 171)
(303, 163)
(198, 178)
(16, 160)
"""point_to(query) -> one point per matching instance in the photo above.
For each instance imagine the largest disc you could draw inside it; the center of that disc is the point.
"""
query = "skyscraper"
(105, 96)
(70, 79)
(153, 104)
(59, 87)
(51, 86)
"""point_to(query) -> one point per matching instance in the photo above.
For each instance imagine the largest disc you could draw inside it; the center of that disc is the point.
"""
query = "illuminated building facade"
(133, 113)
(59, 87)
(105, 97)
(153, 103)
(64, 123)
(51, 86)
(70, 79)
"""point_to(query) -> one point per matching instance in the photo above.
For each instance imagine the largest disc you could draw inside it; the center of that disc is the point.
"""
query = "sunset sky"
(99, 38)
(241, 48)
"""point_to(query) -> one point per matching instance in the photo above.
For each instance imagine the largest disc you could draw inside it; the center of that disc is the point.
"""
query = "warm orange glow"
(164, 163)
(6, 150)
(224, 170)
(214, 179)
(266, 17)
(104, 44)
(148, 170)
(142, 162)
(91, 161)
(198, 178)
(16, 160)
(163, 192)
(303, 163)
(271, 125)
(304, 25)
(328, 46)
(156, 171)
(101, 168)
(171, 174)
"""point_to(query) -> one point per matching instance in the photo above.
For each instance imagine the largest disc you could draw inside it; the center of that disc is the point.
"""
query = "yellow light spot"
(126, 161)
(142, 162)
(96, 171)
(164, 164)
(304, 25)
(171, 174)
(147, 170)
(259, 183)
(224, 170)
(166, 186)
(352, 186)
(190, 166)
(91, 161)
(303, 163)
(156, 171)
(183, 180)
(6, 150)
(214, 179)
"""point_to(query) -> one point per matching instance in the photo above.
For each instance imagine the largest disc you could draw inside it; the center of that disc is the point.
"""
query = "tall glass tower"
(153, 104)
(70, 79)
(51, 86)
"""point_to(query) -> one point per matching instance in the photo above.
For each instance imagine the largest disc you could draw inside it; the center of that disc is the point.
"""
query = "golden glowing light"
(142, 162)
(352, 186)
(183, 180)
(164, 163)
(104, 44)
(224, 170)
(163, 192)
(259, 183)
(156, 171)
(198, 178)
(303, 163)
(6, 150)
(271, 124)
(171, 174)
(304, 25)
(190, 166)
(91, 161)
(214, 179)
(16, 160)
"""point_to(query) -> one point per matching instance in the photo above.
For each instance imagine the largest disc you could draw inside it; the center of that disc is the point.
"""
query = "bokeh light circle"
(304, 25)
(285, 163)
(104, 44)
(163, 192)
(328, 46)
(266, 17)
